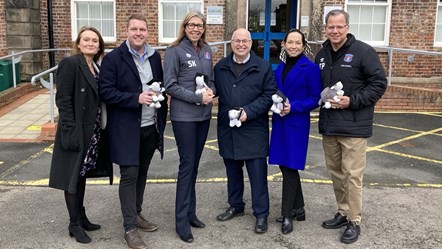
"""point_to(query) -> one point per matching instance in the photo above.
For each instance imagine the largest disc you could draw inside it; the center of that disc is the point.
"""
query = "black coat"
(77, 101)
(361, 72)
(253, 91)
(120, 87)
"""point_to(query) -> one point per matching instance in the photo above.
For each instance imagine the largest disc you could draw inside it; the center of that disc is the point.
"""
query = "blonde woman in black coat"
(80, 148)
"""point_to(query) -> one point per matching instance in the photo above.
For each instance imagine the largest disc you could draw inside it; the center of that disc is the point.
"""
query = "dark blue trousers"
(190, 139)
(257, 171)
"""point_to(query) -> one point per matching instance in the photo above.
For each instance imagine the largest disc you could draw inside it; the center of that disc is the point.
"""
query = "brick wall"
(409, 98)
(3, 44)
(124, 8)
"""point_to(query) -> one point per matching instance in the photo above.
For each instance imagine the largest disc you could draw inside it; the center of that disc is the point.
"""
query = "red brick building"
(405, 24)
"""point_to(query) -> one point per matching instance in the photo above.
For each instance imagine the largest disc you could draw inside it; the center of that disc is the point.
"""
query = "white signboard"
(304, 21)
(214, 15)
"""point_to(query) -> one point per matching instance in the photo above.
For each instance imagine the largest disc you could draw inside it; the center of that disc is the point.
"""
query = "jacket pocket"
(69, 136)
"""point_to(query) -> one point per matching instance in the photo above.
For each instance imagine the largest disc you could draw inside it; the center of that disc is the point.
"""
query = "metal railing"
(50, 84)
(16, 58)
(391, 51)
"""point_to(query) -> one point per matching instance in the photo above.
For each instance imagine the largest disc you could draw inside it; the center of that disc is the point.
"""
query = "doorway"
(268, 21)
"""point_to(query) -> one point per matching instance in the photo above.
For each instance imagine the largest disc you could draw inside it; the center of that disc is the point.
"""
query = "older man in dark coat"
(245, 81)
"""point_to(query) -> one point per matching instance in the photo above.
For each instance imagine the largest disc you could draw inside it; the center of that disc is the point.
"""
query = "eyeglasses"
(238, 41)
(193, 25)
(331, 28)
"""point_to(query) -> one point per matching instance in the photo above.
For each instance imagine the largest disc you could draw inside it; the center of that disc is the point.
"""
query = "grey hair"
(338, 12)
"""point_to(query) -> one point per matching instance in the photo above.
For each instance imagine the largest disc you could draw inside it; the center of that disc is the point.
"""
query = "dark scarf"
(290, 62)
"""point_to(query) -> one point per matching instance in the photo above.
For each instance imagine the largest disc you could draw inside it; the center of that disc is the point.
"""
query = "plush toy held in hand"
(278, 102)
(157, 87)
(200, 82)
(234, 115)
(331, 92)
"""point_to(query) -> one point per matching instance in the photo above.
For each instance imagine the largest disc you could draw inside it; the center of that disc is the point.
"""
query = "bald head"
(241, 32)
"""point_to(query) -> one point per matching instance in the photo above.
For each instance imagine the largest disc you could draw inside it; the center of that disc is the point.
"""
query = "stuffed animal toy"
(200, 82)
(157, 87)
(234, 115)
(331, 93)
(278, 102)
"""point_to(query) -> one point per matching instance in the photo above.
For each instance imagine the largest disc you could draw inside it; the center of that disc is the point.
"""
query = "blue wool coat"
(119, 86)
(289, 137)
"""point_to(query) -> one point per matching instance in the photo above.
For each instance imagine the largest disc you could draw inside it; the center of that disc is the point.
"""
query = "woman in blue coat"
(299, 80)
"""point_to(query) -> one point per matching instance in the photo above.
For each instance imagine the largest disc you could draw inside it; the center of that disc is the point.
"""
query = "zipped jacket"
(361, 72)
(181, 64)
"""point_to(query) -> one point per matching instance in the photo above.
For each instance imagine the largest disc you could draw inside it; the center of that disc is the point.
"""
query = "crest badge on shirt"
(348, 58)
(207, 55)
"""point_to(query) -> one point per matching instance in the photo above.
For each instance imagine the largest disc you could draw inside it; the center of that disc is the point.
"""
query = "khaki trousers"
(345, 158)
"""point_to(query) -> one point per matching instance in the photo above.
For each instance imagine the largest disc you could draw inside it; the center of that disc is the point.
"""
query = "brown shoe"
(134, 240)
(145, 225)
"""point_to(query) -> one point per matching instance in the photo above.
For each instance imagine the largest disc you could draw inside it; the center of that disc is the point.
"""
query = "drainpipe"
(51, 34)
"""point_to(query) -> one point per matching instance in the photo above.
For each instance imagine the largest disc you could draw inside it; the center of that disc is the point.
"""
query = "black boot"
(287, 225)
(77, 231)
(85, 223)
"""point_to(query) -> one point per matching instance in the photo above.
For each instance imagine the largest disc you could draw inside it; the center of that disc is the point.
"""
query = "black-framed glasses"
(193, 25)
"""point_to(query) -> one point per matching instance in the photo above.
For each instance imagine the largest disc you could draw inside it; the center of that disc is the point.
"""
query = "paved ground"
(402, 195)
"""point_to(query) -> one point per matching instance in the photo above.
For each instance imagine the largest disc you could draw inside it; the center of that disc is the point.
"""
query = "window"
(438, 32)
(370, 20)
(98, 14)
(171, 13)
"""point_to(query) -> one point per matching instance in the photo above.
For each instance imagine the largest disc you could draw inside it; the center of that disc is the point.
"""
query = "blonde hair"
(100, 52)
(182, 33)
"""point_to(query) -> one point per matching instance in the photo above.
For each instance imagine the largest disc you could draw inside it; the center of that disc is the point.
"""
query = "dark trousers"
(190, 139)
(257, 171)
(133, 178)
(292, 197)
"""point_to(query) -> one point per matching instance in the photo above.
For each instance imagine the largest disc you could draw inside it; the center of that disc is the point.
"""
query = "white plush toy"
(278, 102)
(200, 82)
(234, 115)
(331, 93)
(157, 87)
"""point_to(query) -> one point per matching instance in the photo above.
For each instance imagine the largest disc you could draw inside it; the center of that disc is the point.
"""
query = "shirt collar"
(242, 62)
(134, 52)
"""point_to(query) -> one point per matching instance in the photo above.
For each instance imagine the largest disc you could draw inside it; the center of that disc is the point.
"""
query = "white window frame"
(74, 28)
(438, 23)
(161, 38)
(354, 24)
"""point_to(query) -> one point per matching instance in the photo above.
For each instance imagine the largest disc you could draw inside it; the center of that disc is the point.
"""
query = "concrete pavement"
(36, 217)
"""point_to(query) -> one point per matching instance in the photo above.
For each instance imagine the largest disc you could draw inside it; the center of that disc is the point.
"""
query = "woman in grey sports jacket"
(190, 112)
